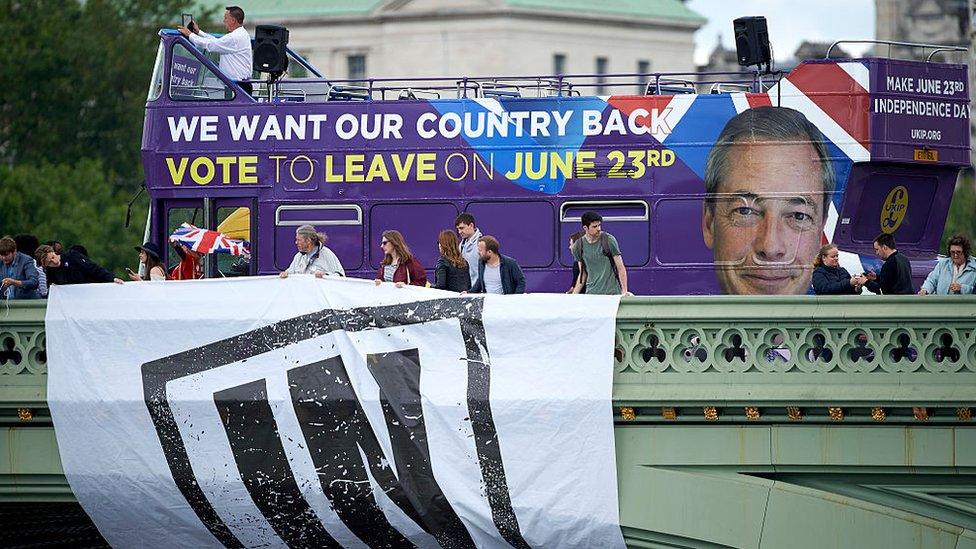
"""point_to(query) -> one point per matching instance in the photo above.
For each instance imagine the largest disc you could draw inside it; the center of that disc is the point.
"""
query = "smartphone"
(187, 19)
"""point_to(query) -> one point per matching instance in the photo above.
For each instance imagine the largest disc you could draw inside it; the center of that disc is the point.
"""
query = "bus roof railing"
(511, 86)
(937, 48)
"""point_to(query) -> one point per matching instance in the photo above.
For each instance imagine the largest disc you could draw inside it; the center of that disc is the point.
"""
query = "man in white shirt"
(236, 60)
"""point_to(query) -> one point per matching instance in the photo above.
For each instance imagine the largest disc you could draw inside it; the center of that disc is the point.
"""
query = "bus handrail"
(293, 223)
(577, 203)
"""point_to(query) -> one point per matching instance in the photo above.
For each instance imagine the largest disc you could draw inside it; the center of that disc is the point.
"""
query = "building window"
(601, 70)
(356, 66)
(559, 64)
(643, 67)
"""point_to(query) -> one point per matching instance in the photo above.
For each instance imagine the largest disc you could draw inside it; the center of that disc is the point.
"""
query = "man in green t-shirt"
(601, 266)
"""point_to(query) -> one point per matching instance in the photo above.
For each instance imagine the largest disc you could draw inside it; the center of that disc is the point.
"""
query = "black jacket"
(77, 269)
(895, 277)
(448, 276)
(832, 280)
(513, 281)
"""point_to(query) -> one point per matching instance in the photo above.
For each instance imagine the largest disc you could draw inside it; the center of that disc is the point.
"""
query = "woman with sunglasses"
(399, 266)
(955, 274)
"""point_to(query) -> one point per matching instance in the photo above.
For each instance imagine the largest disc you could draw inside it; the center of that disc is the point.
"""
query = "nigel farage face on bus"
(765, 224)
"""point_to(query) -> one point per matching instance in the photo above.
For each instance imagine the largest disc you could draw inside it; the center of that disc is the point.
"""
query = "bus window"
(341, 223)
(419, 223)
(524, 230)
(629, 221)
(156, 82)
(233, 222)
(673, 247)
(191, 80)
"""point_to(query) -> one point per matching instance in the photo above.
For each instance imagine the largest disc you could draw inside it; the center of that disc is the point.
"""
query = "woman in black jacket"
(829, 277)
(451, 272)
(70, 267)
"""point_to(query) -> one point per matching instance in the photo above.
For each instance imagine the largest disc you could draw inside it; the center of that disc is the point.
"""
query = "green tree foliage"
(74, 204)
(962, 212)
(75, 78)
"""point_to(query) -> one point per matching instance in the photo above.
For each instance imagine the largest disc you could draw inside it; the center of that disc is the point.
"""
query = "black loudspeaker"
(751, 41)
(270, 54)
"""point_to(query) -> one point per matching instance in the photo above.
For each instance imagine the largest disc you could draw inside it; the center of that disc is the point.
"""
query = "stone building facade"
(429, 38)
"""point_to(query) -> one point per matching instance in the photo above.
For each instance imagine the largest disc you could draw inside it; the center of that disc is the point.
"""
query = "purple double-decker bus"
(710, 183)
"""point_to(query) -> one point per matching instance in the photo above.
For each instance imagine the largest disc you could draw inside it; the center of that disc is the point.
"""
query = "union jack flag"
(205, 242)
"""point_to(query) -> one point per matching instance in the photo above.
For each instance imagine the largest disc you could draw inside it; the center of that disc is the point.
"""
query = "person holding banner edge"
(313, 256)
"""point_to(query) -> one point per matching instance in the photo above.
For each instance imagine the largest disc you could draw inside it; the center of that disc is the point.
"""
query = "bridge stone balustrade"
(739, 422)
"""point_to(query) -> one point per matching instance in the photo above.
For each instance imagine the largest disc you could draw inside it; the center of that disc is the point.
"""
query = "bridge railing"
(797, 358)
(23, 363)
(701, 358)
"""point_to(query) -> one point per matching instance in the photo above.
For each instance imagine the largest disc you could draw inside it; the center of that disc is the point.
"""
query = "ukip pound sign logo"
(343, 446)
(893, 209)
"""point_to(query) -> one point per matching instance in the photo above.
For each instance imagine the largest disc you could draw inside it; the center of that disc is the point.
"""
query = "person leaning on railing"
(955, 274)
(70, 267)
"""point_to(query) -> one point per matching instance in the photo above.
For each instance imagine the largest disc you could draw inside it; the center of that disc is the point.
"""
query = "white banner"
(329, 412)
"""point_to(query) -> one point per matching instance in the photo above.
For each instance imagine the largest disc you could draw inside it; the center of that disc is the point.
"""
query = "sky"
(789, 21)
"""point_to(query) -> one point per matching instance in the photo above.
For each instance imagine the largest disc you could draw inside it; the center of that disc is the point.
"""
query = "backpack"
(605, 244)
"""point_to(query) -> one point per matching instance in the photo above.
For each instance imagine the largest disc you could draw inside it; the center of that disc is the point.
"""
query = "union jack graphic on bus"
(204, 241)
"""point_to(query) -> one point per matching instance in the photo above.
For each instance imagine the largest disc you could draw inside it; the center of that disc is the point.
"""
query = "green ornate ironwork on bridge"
(740, 422)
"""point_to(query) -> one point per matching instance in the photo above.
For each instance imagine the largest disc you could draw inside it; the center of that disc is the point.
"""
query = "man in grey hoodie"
(468, 245)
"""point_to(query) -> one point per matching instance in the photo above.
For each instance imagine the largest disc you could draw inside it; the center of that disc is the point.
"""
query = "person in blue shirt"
(18, 274)
(955, 274)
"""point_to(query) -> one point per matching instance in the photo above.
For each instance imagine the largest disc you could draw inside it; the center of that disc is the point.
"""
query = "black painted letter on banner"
(398, 375)
(342, 444)
(261, 460)
(335, 429)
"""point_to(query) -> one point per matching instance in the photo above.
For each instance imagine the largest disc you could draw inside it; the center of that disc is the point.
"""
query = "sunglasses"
(384, 243)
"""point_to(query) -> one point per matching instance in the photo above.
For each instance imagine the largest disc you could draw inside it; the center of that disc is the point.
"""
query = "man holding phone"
(236, 60)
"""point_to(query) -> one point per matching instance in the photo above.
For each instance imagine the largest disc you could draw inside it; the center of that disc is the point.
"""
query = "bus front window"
(156, 83)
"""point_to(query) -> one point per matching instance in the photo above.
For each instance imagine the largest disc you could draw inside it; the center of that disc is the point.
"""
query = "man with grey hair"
(768, 182)
(313, 257)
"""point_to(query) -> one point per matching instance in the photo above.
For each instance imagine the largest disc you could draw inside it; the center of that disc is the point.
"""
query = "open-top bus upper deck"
(528, 155)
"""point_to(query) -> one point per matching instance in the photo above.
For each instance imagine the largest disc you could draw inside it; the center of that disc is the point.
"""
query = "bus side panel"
(909, 202)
